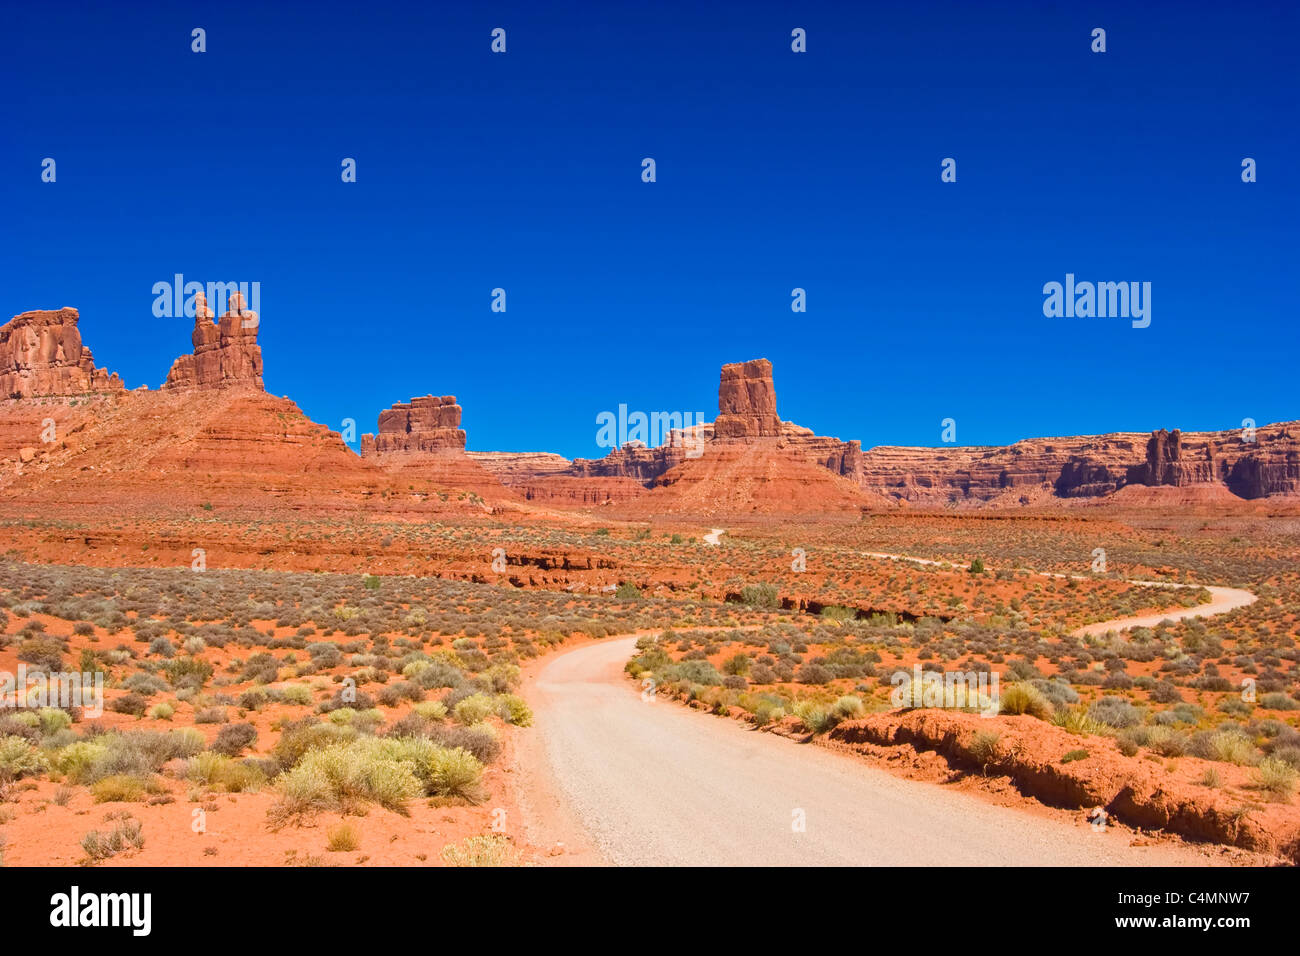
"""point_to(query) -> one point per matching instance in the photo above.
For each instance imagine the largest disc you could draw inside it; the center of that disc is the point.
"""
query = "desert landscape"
(418, 654)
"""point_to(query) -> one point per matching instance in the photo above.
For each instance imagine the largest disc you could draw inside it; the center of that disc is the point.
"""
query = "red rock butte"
(212, 430)
(41, 355)
(226, 352)
(426, 424)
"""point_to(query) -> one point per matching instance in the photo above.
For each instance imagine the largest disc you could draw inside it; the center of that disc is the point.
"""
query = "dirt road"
(1221, 600)
(627, 781)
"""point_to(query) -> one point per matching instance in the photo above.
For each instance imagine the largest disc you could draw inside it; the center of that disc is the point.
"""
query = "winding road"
(623, 780)
(629, 779)
(1222, 600)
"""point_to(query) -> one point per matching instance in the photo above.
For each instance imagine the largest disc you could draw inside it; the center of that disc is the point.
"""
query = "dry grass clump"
(127, 835)
(487, 850)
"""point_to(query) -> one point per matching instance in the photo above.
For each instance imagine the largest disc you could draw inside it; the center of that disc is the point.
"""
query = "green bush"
(473, 709)
(1021, 697)
(816, 717)
(1276, 777)
(18, 758)
(513, 710)
(760, 595)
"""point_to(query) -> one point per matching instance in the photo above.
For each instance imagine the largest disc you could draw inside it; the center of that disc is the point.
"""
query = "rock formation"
(225, 353)
(428, 423)
(41, 355)
(1028, 472)
(423, 439)
(747, 416)
(746, 402)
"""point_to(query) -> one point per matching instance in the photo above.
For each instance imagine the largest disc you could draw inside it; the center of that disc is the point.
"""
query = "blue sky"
(775, 170)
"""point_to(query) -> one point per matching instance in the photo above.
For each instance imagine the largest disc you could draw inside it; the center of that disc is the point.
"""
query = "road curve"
(653, 783)
(1222, 600)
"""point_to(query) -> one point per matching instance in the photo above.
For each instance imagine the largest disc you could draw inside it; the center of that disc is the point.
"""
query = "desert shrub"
(220, 772)
(18, 758)
(814, 674)
(210, 715)
(127, 835)
(489, 850)
(983, 747)
(442, 771)
(325, 654)
(123, 788)
(51, 720)
(253, 699)
(1021, 697)
(1166, 741)
(144, 684)
(694, 672)
(1287, 753)
(977, 566)
(162, 711)
(233, 739)
(430, 710)
(1278, 701)
(472, 709)
(1276, 777)
(512, 709)
(1076, 720)
(479, 739)
(836, 612)
(132, 704)
(1235, 707)
(191, 672)
(1073, 755)
(297, 694)
(1163, 692)
(1115, 712)
(1058, 692)
(162, 647)
(848, 707)
(627, 591)
(1229, 746)
(760, 595)
(343, 838)
(815, 717)
(298, 738)
(736, 664)
(43, 653)
(345, 777)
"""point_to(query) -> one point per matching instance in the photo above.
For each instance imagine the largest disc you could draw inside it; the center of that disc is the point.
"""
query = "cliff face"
(422, 440)
(1089, 466)
(747, 416)
(1028, 472)
(41, 355)
(226, 353)
(426, 424)
(746, 402)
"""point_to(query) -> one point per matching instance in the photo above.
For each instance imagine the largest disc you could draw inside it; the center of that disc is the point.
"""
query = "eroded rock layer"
(428, 423)
(226, 352)
(41, 355)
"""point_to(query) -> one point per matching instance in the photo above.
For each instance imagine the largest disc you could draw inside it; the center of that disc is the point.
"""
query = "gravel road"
(653, 783)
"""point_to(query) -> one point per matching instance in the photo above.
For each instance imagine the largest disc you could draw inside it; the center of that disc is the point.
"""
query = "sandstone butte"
(225, 353)
(212, 433)
(423, 439)
(41, 354)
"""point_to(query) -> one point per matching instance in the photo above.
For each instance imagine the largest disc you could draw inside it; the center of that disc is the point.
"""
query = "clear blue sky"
(775, 170)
